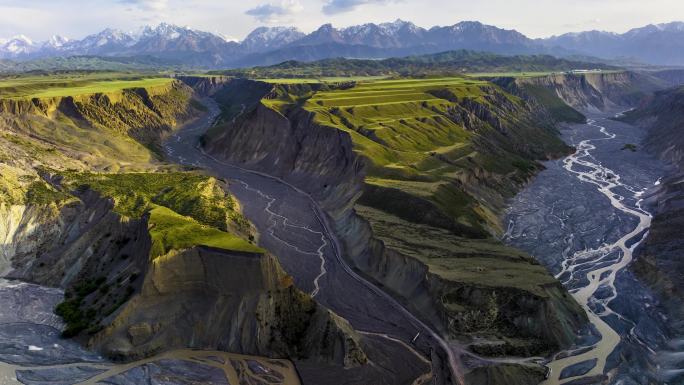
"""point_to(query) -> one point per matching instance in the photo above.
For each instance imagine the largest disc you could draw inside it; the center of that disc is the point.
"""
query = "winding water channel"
(583, 217)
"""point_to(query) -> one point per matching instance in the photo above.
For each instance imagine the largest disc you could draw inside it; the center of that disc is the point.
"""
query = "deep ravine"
(583, 217)
(37, 351)
(292, 226)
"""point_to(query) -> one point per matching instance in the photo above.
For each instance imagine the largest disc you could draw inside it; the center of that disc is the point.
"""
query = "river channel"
(583, 218)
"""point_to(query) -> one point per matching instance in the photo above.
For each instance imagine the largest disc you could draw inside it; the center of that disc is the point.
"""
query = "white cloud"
(332, 7)
(275, 12)
(147, 5)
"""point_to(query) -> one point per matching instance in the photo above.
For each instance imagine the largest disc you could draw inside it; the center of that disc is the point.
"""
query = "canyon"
(394, 262)
(343, 229)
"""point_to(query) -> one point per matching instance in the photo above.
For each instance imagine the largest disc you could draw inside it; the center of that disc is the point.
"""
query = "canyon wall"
(597, 91)
(565, 96)
(660, 260)
(294, 145)
(145, 114)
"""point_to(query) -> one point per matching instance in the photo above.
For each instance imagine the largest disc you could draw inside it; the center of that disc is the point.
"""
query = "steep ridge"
(323, 139)
(152, 260)
(208, 298)
(662, 116)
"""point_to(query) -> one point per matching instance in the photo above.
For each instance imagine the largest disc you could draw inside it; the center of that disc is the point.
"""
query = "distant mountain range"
(661, 44)
(654, 44)
(438, 64)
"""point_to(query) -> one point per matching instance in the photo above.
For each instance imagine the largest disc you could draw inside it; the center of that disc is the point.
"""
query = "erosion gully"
(583, 217)
(292, 227)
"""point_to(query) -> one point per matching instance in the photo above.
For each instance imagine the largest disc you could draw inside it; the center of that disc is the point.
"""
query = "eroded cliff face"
(213, 299)
(597, 91)
(662, 116)
(316, 158)
(144, 114)
(55, 243)
(205, 85)
(323, 161)
(660, 260)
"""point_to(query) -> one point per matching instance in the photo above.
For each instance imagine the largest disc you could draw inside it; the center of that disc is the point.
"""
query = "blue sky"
(40, 19)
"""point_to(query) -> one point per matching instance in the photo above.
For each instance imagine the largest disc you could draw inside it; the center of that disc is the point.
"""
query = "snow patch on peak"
(22, 39)
(56, 41)
(397, 25)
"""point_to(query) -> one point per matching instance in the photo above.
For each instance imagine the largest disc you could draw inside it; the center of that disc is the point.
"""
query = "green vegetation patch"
(171, 231)
(40, 193)
(26, 87)
(19, 187)
(191, 194)
(186, 209)
(481, 262)
(11, 187)
(630, 146)
(76, 317)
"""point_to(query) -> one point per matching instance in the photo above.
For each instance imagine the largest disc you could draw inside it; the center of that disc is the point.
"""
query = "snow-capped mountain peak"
(19, 45)
(265, 38)
(397, 25)
(56, 41)
(166, 31)
(23, 38)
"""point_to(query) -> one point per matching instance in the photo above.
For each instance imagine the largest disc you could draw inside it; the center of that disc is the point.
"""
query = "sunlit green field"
(73, 85)
(402, 120)
(171, 231)
(186, 209)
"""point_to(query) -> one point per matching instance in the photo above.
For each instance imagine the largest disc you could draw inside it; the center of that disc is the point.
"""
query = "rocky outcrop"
(214, 299)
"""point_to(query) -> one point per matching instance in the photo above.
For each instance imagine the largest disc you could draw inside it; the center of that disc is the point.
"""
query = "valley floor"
(582, 218)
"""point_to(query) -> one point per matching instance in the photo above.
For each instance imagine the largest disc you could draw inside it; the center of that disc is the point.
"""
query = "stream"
(583, 217)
